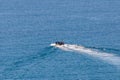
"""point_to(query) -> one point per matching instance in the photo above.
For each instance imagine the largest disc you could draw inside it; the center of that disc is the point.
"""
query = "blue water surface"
(28, 27)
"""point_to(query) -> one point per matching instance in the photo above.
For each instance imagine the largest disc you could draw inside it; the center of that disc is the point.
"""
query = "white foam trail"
(109, 57)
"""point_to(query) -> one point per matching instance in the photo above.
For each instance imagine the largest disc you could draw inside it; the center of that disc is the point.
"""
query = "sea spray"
(109, 57)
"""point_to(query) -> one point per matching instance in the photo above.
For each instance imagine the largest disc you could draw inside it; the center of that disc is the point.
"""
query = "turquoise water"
(28, 27)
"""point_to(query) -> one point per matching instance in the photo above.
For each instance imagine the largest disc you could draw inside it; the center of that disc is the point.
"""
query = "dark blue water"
(28, 27)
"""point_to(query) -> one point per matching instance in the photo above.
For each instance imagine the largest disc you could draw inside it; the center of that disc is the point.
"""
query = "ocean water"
(91, 28)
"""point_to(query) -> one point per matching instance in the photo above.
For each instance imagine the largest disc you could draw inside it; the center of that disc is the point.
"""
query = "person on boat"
(59, 43)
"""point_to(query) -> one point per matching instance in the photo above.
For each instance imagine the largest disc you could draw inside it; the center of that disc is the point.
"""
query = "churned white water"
(109, 57)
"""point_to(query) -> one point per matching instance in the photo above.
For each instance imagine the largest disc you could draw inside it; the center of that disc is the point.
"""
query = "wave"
(105, 49)
(27, 60)
(109, 57)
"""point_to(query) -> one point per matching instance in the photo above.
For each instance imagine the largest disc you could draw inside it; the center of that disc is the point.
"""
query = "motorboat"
(58, 43)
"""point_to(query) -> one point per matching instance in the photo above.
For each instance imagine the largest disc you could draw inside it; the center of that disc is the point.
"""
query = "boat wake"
(109, 57)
